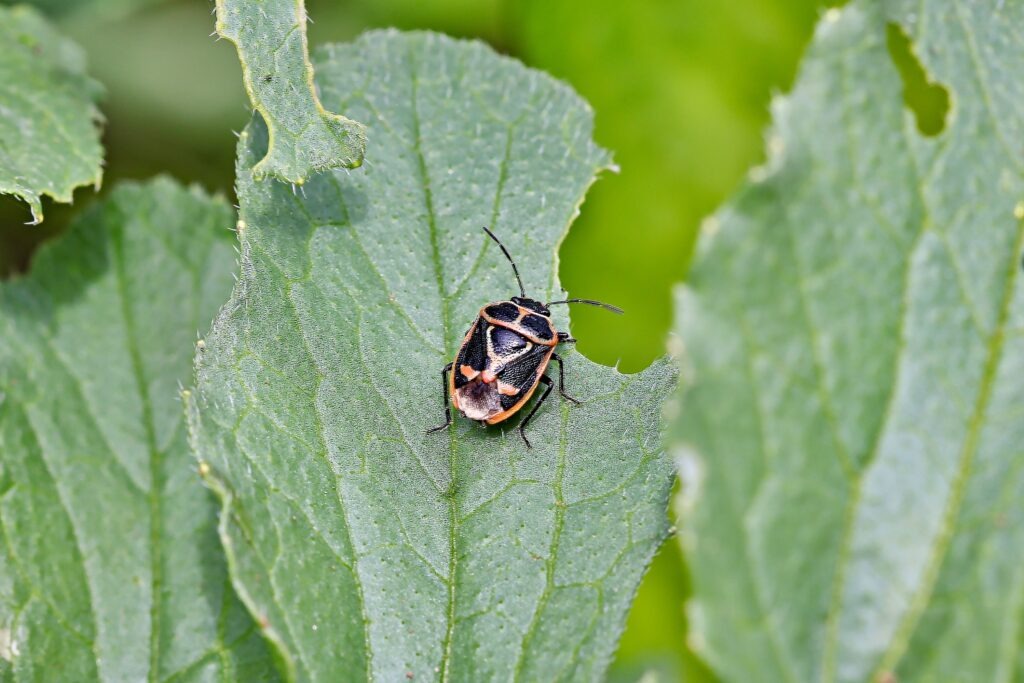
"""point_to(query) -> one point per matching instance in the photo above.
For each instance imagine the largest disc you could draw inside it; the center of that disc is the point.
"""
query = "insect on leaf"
(367, 547)
(304, 138)
(850, 432)
(49, 132)
(110, 567)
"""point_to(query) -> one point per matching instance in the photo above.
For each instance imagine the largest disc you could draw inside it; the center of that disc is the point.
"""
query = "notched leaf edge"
(350, 135)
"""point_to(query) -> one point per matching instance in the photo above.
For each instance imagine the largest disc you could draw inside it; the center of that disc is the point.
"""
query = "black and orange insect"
(502, 358)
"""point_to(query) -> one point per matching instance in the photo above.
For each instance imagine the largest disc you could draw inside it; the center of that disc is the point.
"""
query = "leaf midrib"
(905, 630)
(154, 453)
(831, 649)
(549, 564)
(155, 456)
(446, 342)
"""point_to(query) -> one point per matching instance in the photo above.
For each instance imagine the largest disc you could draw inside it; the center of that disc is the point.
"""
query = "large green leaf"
(109, 563)
(304, 138)
(851, 434)
(366, 546)
(49, 134)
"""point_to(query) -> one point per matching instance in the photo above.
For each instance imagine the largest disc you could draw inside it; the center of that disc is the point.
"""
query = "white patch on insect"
(479, 400)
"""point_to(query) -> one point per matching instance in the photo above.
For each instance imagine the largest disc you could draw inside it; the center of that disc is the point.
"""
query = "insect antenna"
(589, 302)
(509, 257)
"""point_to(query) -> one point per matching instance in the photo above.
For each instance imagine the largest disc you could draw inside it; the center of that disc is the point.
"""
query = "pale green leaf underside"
(109, 562)
(304, 137)
(852, 430)
(49, 133)
(367, 547)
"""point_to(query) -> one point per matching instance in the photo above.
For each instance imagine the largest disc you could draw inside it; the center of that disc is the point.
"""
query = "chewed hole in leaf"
(921, 94)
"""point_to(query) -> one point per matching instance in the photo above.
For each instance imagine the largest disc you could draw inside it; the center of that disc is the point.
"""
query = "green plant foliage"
(653, 646)
(49, 132)
(94, 12)
(681, 90)
(109, 563)
(304, 138)
(364, 545)
(850, 434)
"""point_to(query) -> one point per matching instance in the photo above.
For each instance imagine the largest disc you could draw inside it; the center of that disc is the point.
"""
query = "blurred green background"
(680, 89)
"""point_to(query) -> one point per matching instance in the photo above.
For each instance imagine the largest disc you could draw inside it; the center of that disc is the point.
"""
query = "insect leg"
(447, 403)
(564, 338)
(522, 425)
(561, 379)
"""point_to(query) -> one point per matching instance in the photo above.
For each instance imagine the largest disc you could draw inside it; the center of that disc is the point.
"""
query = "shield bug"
(502, 358)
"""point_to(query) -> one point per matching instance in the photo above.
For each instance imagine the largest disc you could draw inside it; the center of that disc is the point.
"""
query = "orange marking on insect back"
(468, 372)
(451, 390)
(487, 376)
(507, 389)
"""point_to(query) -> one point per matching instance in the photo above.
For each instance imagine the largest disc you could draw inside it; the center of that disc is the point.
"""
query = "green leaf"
(366, 546)
(49, 132)
(304, 138)
(109, 563)
(851, 431)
